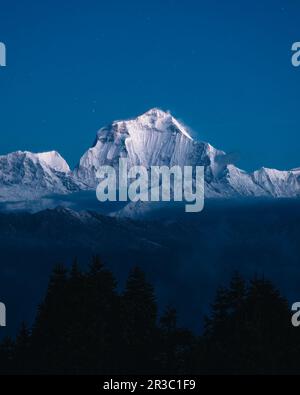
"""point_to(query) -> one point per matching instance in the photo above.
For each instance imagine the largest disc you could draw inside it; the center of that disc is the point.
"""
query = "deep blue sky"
(223, 67)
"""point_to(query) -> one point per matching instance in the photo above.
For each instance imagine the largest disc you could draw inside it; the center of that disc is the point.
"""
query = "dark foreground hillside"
(184, 256)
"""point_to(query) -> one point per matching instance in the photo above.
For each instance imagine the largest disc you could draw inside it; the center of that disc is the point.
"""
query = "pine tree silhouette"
(139, 319)
(103, 324)
(176, 344)
(48, 335)
(84, 326)
(22, 350)
(7, 356)
(249, 330)
(266, 329)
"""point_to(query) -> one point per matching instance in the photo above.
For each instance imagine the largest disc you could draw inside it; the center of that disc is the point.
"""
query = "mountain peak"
(54, 160)
(157, 112)
(162, 120)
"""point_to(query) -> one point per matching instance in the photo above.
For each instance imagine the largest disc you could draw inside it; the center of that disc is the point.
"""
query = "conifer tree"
(49, 343)
(7, 356)
(103, 326)
(176, 344)
(139, 319)
(22, 356)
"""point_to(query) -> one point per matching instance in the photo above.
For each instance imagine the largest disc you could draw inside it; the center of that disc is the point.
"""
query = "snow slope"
(28, 176)
(157, 138)
(153, 138)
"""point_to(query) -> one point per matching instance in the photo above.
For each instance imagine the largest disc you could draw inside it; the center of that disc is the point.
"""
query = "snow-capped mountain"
(24, 175)
(278, 183)
(54, 160)
(154, 138)
(157, 138)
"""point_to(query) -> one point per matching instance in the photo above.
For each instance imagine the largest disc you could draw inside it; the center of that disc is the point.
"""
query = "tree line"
(86, 326)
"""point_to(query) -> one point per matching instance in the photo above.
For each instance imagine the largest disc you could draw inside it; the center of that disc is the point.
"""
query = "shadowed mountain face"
(185, 257)
(154, 138)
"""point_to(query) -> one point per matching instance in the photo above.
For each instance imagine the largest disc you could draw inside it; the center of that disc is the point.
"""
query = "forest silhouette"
(85, 325)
